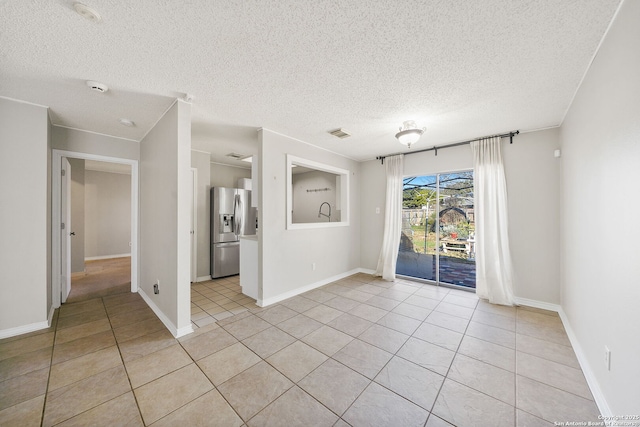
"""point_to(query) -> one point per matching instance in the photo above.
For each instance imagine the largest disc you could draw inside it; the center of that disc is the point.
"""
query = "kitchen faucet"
(321, 214)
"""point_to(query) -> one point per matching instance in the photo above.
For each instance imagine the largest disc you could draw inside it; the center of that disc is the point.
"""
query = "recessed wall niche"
(317, 194)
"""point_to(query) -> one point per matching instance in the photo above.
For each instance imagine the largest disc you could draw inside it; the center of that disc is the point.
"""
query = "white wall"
(93, 143)
(532, 175)
(107, 214)
(49, 237)
(77, 215)
(373, 183)
(24, 217)
(600, 140)
(286, 256)
(165, 187)
(452, 159)
(200, 161)
(533, 187)
(227, 176)
(306, 204)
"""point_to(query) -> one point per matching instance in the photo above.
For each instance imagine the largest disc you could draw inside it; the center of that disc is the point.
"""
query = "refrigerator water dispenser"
(226, 223)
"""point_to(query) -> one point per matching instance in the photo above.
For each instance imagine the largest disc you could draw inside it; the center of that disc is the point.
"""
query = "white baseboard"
(52, 311)
(537, 304)
(203, 278)
(95, 258)
(593, 384)
(184, 331)
(177, 333)
(366, 271)
(24, 329)
(307, 288)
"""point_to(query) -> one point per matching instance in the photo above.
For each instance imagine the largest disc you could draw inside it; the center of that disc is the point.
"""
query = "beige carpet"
(101, 278)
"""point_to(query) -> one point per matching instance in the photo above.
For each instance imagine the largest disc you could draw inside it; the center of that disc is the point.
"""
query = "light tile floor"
(218, 299)
(359, 351)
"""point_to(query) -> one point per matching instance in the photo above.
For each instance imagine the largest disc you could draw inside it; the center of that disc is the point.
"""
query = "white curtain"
(392, 218)
(494, 273)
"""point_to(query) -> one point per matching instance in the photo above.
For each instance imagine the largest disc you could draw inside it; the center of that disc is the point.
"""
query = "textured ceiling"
(461, 68)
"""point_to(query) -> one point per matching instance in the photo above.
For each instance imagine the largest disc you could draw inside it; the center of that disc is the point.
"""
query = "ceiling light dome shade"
(409, 133)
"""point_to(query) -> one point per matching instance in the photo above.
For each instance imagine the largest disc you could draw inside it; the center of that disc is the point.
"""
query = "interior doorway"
(107, 267)
(437, 241)
(100, 229)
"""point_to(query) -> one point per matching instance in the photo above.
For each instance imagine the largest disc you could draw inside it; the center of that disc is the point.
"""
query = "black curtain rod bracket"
(511, 135)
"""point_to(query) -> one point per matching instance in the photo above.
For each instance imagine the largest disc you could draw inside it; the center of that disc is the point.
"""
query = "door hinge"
(64, 172)
(62, 226)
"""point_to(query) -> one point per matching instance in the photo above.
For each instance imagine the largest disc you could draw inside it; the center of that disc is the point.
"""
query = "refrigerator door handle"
(237, 214)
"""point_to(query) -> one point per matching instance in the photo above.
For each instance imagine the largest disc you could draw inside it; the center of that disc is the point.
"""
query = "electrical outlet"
(313, 266)
(607, 358)
(377, 210)
(156, 287)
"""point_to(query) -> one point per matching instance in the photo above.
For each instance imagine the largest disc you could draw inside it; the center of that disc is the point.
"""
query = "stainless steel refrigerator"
(231, 217)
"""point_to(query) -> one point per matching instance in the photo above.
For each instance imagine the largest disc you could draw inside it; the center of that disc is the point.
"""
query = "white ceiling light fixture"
(409, 133)
(127, 122)
(86, 12)
(97, 86)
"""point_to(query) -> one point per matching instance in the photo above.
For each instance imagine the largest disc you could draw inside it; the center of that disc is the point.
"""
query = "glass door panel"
(417, 254)
(456, 230)
(438, 230)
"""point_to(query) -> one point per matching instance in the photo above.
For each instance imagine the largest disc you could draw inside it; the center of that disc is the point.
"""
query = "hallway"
(359, 351)
(101, 278)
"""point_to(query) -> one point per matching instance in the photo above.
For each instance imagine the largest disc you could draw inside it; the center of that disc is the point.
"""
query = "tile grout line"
(51, 364)
(126, 371)
(295, 384)
(479, 391)
(385, 365)
(515, 374)
(372, 380)
(46, 390)
(451, 364)
(212, 384)
(455, 354)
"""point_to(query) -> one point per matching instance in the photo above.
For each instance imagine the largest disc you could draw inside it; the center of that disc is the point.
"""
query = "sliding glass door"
(438, 229)
(456, 257)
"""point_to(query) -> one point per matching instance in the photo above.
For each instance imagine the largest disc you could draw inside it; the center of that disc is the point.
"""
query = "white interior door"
(194, 225)
(65, 230)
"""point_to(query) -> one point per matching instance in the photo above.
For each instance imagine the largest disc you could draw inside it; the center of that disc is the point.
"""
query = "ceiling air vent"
(340, 133)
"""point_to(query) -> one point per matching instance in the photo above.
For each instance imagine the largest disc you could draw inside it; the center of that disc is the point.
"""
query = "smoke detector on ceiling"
(86, 12)
(97, 86)
(340, 133)
(127, 122)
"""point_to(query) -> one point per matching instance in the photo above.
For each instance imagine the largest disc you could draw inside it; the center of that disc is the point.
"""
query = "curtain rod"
(455, 144)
